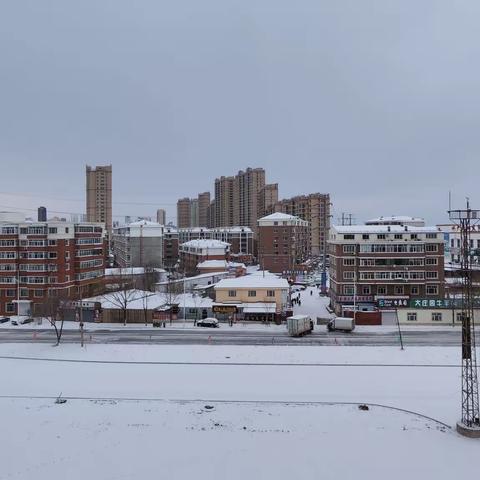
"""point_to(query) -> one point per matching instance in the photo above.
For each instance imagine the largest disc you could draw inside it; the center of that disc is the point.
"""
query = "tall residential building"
(236, 198)
(248, 184)
(161, 216)
(99, 195)
(224, 201)
(183, 213)
(193, 212)
(267, 199)
(283, 243)
(203, 209)
(315, 209)
(48, 259)
(42, 214)
(211, 214)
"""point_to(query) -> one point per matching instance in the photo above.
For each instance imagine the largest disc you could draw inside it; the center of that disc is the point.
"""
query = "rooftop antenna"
(469, 425)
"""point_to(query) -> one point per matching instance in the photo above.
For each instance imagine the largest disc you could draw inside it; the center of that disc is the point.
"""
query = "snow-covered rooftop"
(279, 216)
(144, 223)
(129, 271)
(253, 281)
(206, 243)
(219, 264)
(352, 229)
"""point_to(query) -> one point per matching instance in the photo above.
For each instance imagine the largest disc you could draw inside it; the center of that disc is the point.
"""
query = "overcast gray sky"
(376, 102)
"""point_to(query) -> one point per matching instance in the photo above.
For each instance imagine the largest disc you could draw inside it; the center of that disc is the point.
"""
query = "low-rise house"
(235, 269)
(254, 297)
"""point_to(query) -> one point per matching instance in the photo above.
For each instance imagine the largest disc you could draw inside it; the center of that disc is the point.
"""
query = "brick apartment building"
(99, 194)
(381, 266)
(315, 209)
(283, 242)
(41, 259)
(196, 251)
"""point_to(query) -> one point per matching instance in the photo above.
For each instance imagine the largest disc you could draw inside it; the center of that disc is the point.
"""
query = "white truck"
(344, 324)
(298, 325)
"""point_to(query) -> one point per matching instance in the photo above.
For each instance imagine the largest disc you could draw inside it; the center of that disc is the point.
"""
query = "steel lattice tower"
(470, 422)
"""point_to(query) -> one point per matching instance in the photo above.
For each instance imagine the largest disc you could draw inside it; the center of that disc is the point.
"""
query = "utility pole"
(469, 425)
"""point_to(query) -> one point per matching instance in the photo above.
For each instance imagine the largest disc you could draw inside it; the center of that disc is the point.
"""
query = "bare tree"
(124, 295)
(52, 308)
(172, 293)
(147, 283)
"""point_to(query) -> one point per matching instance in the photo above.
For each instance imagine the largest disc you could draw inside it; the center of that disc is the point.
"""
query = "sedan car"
(208, 322)
(4, 319)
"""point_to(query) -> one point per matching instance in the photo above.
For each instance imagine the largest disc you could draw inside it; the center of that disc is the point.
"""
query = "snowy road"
(225, 336)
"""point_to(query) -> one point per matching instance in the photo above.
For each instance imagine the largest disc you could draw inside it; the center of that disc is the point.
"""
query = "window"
(270, 293)
(9, 307)
(431, 261)
(366, 290)
(411, 317)
(52, 243)
(38, 293)
(431, 247)
(52, 230)
(10, 292)
(459, 317)
(24, 292)
(436, 317)
(413, 290)
(349, 249)
(349, 237)
(398, 236)
(67, 243)
(398, 289)
(67, 230)
(350, 275)
(432, 290)
(381, 290)
(431, 275)
(232, 293)
(348, 290)
(414, 236)
(252, 293)
(348, 262)
(8, 243)
(381, 236)
(365, 236)
(52, 255)
(431, 235)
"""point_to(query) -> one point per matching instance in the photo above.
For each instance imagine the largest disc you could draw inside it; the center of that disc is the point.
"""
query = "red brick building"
(380, 266)
(196, 251)
(41, 259)
(283, 242)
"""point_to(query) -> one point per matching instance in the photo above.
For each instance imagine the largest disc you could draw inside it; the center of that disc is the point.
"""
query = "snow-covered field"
(148, 420)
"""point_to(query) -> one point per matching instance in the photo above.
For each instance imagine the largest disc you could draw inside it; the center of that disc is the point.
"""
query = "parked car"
(208, 322)
(22, 321)
(4, 319)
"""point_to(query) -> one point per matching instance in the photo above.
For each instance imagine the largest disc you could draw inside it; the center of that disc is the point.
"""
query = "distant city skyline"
(374, 103)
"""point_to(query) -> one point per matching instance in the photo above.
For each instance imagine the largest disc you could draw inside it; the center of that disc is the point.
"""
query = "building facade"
(380, 266)
(283, 242)
(99, 195)
(241, 239)
(42, 214)
(161, 216)
(170, 247)
(138, 244)
(315, 209)
(39, 260)
(183, 213)
(203, 209)
(267, 199)
(196, 251)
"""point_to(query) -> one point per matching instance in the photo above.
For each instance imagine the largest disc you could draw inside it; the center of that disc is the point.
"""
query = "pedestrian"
(311, 292)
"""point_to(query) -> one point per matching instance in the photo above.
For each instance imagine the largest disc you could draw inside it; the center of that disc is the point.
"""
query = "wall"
(280, 298)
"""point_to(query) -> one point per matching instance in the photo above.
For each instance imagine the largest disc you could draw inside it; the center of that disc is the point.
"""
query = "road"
(235, 337)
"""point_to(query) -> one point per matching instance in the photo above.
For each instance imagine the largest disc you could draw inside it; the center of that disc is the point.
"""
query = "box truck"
(345, 324)
(298, 325)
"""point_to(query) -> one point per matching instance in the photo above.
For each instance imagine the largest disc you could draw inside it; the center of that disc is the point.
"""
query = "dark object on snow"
(60, 400)
(209, 407)
(4, 319)
(363, 407)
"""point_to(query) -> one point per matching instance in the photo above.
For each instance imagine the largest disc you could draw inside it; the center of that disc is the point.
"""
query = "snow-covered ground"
(148, 420)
